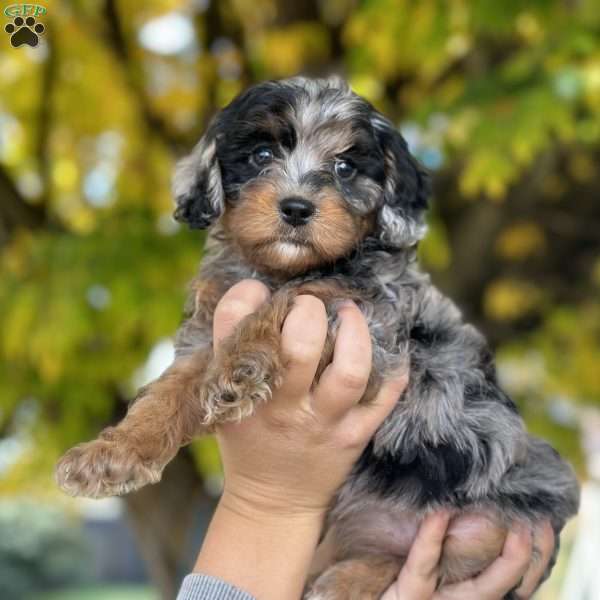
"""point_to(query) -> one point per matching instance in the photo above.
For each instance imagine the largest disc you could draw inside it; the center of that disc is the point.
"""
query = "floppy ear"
(400, 220)
(197, 184)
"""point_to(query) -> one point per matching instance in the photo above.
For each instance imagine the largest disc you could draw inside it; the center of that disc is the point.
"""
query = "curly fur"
(454, 439)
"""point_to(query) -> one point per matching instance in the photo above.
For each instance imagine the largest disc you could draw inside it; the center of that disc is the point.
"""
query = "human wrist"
(260, 495)
(266, 504)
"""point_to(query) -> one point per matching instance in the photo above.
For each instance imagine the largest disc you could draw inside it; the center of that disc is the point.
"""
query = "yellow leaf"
(520, 241)
(286, 51)
(64, 174)
(510, 299)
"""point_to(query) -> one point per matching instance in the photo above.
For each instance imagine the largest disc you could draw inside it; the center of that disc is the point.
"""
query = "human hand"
(514, 568)
(297, 449)
(283, 464)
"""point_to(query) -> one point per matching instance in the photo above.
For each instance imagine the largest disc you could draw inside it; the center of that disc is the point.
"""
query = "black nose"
(296, 211)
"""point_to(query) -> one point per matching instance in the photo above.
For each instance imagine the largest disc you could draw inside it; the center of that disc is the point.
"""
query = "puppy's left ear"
(197, 183)
(401, 218)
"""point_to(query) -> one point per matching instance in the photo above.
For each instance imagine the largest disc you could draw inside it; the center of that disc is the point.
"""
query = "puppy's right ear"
(197, 183)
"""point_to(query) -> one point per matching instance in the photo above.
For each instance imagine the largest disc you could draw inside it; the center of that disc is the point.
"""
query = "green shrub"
(40, 548)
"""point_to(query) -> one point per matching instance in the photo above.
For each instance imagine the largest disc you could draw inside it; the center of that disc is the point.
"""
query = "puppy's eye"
(344, 169)
(262, 156)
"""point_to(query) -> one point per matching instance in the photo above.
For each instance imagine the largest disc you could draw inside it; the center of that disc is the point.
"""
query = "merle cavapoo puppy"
(307, 188)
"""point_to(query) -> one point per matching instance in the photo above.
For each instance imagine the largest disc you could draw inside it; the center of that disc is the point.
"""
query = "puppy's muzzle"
(296, 211)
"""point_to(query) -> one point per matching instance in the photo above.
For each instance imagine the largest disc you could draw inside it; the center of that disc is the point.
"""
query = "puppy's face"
(300, 173)
(301, 178)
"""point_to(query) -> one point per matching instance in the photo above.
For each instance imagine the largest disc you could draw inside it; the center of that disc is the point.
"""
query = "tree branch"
(118, 43)
(45, 116)
(15, 211)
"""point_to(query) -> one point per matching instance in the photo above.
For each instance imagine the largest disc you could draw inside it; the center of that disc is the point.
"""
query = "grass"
(122, 592)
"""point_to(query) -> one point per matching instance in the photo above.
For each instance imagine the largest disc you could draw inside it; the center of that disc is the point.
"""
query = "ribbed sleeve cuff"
(205, 587)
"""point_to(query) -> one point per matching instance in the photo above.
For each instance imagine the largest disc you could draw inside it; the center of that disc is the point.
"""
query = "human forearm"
(265, 553)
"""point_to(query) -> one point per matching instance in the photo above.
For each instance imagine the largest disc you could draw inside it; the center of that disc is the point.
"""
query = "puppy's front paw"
(237, 381)
(104, 468)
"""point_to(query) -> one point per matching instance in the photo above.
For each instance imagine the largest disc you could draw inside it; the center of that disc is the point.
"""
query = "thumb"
(239, 301)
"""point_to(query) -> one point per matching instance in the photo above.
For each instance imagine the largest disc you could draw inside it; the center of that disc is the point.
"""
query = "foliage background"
(500, 99)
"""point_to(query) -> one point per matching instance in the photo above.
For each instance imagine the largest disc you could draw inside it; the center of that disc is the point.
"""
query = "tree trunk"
(15, 212)
(166, 519)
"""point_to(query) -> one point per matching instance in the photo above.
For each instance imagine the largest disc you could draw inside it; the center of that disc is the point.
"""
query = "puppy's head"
(300, 172)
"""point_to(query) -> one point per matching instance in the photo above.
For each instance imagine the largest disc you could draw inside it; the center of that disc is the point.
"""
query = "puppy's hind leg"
(165, 415)
(361, 578)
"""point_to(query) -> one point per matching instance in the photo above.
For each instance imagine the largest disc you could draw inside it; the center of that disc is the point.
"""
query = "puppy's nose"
(296, 211)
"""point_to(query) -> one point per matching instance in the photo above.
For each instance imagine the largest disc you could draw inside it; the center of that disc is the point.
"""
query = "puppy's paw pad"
(104, 468)
(244, 373)
(226, 400)
(234, 386)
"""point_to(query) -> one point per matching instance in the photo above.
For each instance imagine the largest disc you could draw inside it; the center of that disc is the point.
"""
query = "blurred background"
(500, 100)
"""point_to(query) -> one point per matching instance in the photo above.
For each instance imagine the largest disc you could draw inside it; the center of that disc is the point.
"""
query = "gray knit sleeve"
(205, 587)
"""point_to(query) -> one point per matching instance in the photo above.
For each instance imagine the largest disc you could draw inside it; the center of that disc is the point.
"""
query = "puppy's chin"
(284, 258)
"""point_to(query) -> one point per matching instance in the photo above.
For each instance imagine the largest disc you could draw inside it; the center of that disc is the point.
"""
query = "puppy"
(307, 188)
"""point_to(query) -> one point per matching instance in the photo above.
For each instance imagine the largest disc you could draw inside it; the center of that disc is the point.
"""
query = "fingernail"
(438, 516)
(399, 377)
(347, 304)
(443, 514)
(523, 530)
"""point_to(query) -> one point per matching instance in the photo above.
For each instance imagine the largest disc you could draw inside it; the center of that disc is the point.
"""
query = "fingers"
(419, 575)
(508, 569)
(501, 576)
(344, 381)
(544, 542)
(239, 301)
(302, 340)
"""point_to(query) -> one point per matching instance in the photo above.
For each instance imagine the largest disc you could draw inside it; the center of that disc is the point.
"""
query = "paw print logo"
(24, 31)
